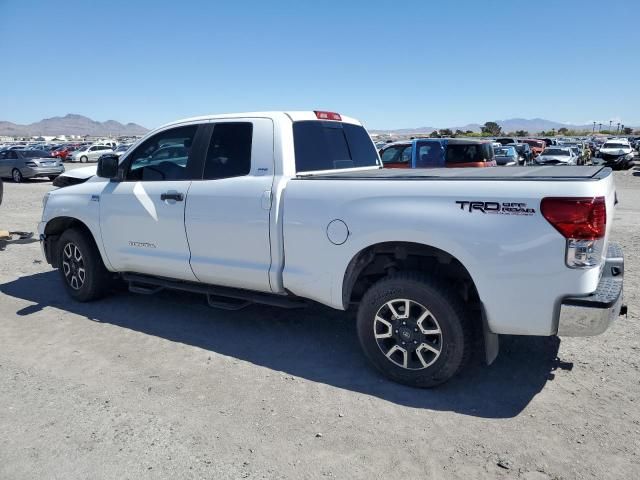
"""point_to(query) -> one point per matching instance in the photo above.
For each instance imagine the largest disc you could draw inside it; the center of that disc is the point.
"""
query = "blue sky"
(390, 64)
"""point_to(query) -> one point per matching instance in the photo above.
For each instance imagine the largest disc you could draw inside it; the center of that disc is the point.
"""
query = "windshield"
(556, 151)
(330, 145)
(615, 145)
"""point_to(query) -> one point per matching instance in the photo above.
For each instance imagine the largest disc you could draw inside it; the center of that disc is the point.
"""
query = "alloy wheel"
(408, 334)
(73, 266)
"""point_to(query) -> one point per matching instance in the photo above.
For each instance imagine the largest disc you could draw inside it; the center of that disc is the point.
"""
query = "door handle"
(177, 196)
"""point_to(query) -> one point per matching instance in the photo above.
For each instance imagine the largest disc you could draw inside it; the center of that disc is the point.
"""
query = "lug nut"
(404, 323)
(404, 343)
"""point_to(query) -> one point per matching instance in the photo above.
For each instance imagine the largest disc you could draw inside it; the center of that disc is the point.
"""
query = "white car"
(91, 153)
(283, 208)
(617, 153)
(557, 156)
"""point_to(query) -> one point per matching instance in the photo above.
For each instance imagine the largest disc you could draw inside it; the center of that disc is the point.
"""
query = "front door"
(142, 216)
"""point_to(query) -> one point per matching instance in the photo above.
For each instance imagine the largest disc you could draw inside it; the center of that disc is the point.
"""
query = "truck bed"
(545, 172)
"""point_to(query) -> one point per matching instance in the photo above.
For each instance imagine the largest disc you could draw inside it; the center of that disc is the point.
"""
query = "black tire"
(447, 313)
(16, 175)
(53, 177)
(94, 283)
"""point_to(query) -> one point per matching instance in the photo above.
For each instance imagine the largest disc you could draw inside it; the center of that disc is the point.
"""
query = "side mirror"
(108, 166)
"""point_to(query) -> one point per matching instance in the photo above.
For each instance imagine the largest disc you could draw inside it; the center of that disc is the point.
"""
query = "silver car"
(21, 164)
(557, 156)
(90, 153)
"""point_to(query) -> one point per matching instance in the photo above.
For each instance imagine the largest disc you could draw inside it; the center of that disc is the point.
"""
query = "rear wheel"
(81, 267)
(17, 176)
(83, 159)
(414, 330)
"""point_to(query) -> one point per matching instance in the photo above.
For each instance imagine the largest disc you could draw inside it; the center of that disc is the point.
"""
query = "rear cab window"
(331, 145)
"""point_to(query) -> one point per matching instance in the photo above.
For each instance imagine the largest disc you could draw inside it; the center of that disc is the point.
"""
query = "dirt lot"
(165, 387)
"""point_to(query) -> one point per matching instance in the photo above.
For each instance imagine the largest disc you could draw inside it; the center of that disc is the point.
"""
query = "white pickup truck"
(289, 208)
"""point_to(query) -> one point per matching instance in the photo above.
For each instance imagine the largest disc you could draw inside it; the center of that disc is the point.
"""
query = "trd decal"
(504, 208)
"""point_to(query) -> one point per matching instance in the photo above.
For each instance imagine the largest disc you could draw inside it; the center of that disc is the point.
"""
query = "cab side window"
(162, 157)
(229, 152)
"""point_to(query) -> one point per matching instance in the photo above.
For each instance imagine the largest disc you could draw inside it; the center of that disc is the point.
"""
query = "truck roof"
(293, 115)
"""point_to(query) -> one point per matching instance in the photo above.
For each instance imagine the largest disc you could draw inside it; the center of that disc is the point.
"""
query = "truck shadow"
(318, 344)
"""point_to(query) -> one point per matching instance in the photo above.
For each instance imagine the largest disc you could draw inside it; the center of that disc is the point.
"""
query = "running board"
(218, 297)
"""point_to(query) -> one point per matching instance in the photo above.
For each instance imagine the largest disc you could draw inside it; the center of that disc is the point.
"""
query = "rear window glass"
(332, 145)
(33, 153)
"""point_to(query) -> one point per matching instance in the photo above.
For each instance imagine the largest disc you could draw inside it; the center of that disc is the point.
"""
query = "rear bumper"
(592, 314)
(34, 172)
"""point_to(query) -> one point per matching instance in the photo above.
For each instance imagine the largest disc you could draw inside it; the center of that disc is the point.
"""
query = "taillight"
(583, 222)
(327, 116)
(578, 218)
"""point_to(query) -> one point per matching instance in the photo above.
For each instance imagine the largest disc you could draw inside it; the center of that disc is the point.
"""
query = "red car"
(537, 146)
(63, 152)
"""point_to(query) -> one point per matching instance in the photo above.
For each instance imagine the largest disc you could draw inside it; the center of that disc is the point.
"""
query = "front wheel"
(83, 272)
(83, 159)
(414, 330)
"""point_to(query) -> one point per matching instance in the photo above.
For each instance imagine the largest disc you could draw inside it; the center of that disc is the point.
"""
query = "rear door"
(227, 212)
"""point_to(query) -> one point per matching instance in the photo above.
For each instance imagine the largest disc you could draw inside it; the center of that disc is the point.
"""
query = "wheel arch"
(382, 259)
(57, 225)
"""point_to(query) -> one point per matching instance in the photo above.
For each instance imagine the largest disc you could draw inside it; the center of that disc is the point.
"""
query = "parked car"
(524, 152)
(581, 150)
(63, 153)
(426, 256)
(507, 156)
(90, 153)
(537, 146)
(121, 149)
(438, 152)
(507, 140)
(75, 176)
(549, 141)
(617, 154)
(21, 164)
(557, 156)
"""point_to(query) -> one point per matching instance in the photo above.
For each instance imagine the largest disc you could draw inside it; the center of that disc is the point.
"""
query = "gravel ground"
(165, 387)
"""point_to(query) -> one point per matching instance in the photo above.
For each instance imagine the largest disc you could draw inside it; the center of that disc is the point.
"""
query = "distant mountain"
(71, 124)
(532, 126)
